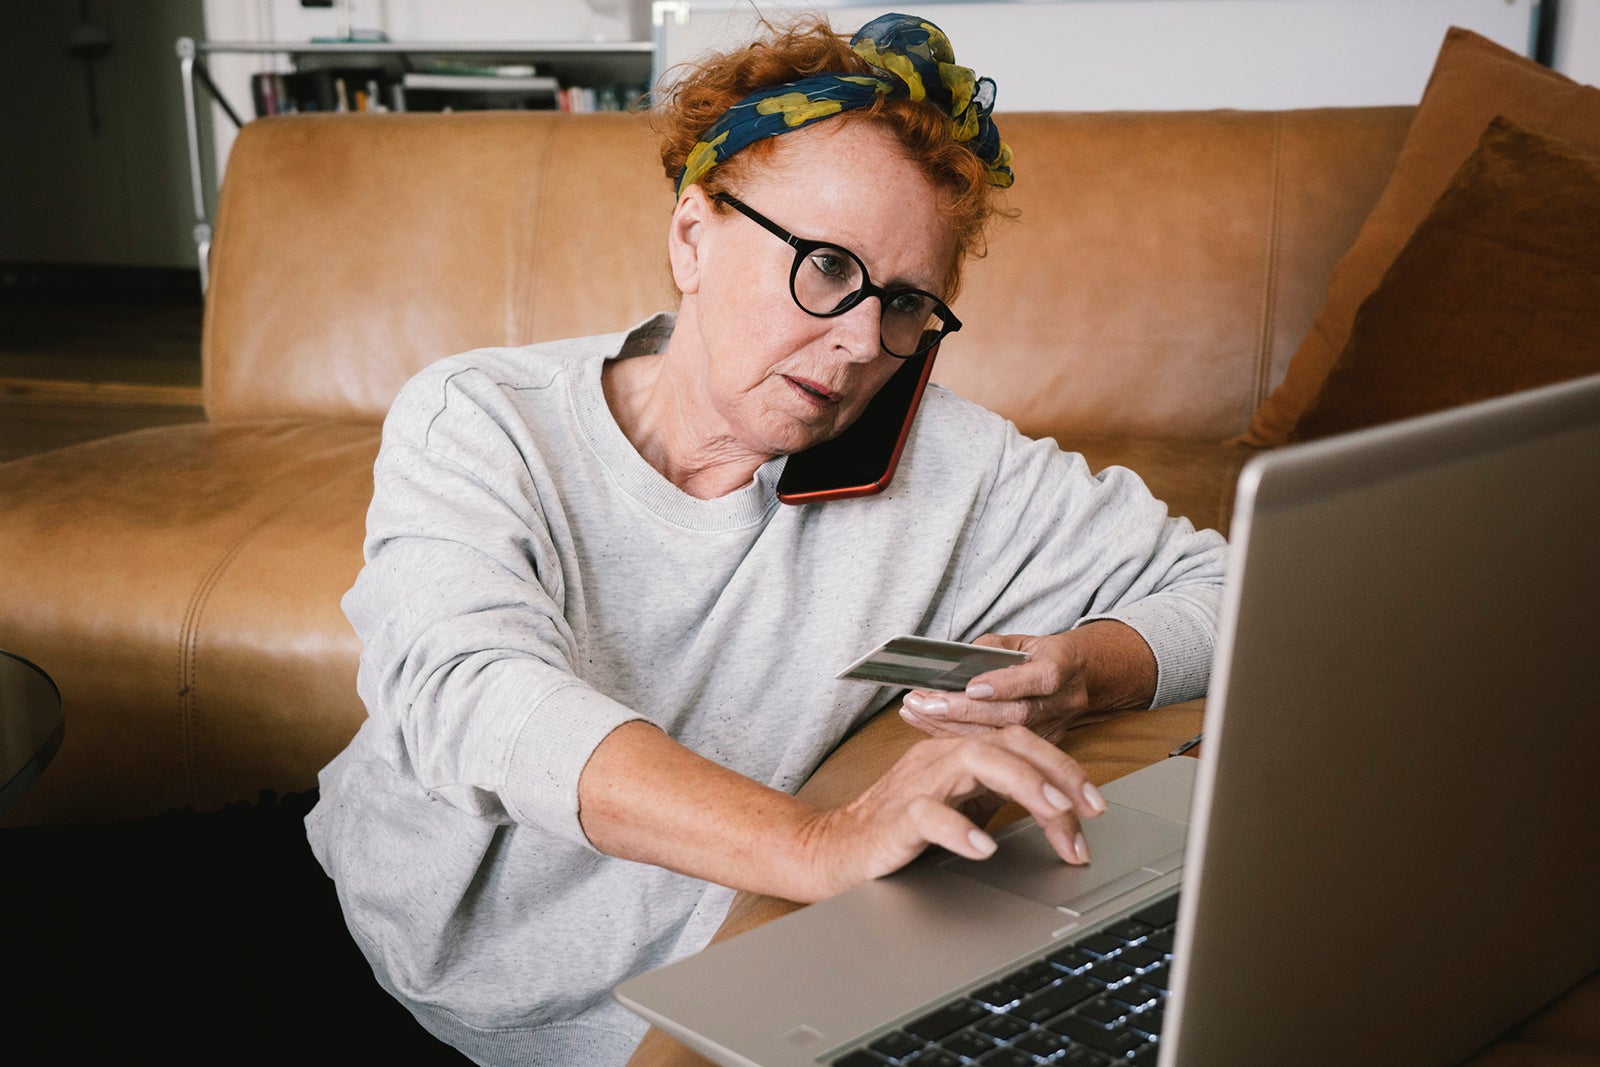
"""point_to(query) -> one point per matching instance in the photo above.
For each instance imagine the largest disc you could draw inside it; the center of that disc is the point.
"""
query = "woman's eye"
(912, 305)
(831, 264)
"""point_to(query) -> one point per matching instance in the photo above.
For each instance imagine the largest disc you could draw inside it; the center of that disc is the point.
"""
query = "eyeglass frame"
(804, 246)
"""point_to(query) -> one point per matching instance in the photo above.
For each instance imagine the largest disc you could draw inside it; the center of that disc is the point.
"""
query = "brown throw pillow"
(1473, 80)
(1497, 290)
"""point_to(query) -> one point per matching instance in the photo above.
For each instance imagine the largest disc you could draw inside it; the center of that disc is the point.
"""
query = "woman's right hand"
(929, 795)
(645, 797)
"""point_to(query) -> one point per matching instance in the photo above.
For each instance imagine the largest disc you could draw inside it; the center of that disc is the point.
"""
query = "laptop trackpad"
(1129, 847)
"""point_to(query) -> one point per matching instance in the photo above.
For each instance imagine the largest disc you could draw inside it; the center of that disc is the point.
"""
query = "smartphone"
(861, 461)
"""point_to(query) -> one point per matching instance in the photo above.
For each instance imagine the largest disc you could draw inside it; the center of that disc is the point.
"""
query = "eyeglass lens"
(829, 279)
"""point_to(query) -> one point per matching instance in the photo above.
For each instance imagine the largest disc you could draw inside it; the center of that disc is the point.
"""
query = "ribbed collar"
(743, 507)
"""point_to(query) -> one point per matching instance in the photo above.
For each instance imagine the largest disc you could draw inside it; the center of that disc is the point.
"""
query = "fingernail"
(1082, 848)
(926, 705)
(1097, 803)
(1056, 798)
(980, 690)
(982, 842)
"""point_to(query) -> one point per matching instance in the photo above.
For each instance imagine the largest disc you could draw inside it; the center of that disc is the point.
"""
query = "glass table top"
(31, 725)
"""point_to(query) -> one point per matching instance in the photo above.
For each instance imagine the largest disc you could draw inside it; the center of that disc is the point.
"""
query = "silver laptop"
(1388, 852)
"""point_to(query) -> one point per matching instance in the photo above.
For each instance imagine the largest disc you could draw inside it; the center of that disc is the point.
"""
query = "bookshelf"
(357, 75)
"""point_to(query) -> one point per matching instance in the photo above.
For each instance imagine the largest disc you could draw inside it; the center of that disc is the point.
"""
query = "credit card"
(923, 663)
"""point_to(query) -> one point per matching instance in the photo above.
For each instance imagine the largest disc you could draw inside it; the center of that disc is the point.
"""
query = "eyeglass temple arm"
(760, 220)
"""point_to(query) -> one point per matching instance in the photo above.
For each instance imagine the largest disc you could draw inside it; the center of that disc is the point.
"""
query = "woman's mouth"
(814, 391)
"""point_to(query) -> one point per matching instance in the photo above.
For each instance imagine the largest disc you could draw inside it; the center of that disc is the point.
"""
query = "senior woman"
(599, 653)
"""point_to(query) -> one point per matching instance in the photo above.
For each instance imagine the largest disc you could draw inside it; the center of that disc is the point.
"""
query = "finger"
(1032, 712)
(1042, 779)
(931, 727)
(1040, 676)
(1066, 837)
(1050, 807)
(982, 808)
(938, 727)
(1061, 770)
(940, 824)
(1011, 641)
(979, 687)
(957, 708)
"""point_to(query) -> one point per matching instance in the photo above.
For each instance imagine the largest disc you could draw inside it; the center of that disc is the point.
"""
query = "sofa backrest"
(1157, 276)
(353, 250)
(1164, 265)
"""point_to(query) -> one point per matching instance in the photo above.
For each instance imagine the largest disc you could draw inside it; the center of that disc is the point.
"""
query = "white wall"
(1578, 41)
(1095, 55)
(434, 20)
(519, 20)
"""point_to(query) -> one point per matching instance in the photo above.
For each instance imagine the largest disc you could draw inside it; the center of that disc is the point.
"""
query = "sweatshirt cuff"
(550, 753)
(1183, 646)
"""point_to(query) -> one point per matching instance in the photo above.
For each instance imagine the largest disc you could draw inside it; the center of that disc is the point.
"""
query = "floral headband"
(916, 61)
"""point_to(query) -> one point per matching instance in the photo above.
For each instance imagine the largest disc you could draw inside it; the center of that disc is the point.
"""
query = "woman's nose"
(859, 331)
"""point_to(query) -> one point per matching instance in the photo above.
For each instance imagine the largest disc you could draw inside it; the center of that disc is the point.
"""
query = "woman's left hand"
(1070, 679)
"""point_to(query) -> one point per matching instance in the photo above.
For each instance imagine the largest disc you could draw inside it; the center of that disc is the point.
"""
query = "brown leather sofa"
(182, 584)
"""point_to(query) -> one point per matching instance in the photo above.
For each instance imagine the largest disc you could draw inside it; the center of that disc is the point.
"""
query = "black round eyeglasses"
(828, 279)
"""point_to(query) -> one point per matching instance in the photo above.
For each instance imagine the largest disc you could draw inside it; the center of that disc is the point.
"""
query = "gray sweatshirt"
(531, 583)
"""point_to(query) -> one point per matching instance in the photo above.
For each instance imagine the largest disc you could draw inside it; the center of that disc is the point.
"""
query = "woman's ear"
(688, 227)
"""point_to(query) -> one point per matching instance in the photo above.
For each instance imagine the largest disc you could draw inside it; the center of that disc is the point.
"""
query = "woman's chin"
(805, 437)
(785, 433)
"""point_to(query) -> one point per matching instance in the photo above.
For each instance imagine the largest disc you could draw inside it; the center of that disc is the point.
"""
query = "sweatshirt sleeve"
(1056, 546)
(467, 661)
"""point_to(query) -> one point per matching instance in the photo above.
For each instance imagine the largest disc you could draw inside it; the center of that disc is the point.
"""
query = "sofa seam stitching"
(188, 659)
(1274, 237)
(527, 292)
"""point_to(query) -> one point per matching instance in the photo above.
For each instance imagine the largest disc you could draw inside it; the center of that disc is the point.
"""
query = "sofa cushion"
(182, 587)
(1196, 479)
(1161, 268)
(1497, 290)
(1473, 80)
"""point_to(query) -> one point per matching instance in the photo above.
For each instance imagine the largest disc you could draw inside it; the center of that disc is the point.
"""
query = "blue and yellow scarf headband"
(917, 62)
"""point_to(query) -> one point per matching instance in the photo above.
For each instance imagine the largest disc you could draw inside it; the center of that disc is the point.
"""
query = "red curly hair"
(805, 46)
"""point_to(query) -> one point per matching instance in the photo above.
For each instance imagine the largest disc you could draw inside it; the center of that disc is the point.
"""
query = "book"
(328, 89)
(265, 91)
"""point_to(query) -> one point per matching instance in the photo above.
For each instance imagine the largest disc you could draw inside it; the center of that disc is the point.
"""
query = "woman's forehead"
(852, 182)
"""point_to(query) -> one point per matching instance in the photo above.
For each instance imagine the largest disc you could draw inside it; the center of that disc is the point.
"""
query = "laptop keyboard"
(1097, 1001)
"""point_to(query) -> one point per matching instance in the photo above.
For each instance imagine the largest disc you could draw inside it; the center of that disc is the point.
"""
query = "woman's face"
(778, 379)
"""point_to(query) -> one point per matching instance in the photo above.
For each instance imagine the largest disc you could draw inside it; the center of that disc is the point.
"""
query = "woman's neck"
(673, 426)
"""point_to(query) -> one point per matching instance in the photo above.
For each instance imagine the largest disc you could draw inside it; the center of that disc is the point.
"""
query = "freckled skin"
(748, 375)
